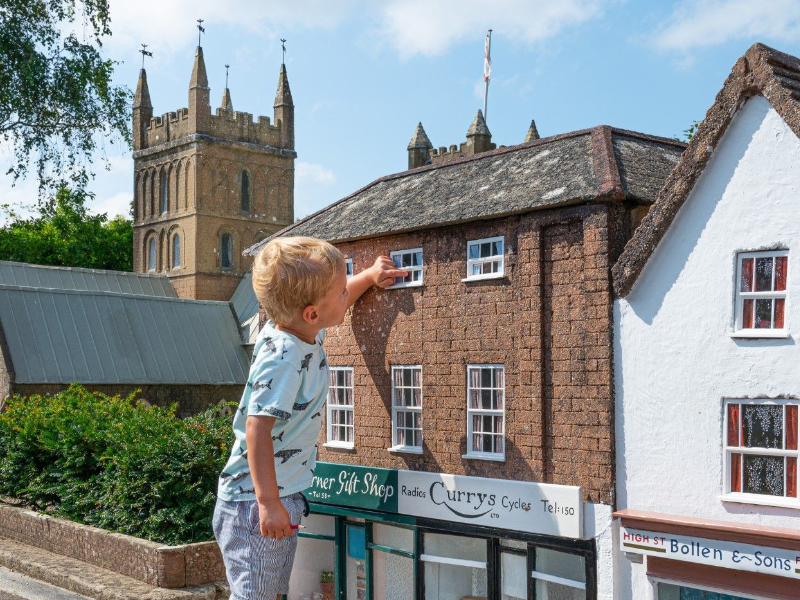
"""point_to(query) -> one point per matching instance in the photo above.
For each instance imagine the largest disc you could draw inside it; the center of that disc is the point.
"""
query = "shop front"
(381, 534)
(696, 559)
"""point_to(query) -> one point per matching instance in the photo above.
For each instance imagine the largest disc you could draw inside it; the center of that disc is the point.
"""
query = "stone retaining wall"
(153, 563)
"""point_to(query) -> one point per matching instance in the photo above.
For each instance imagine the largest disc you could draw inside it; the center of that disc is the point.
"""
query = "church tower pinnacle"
(284, 109)
(142, 110)
(199, 95)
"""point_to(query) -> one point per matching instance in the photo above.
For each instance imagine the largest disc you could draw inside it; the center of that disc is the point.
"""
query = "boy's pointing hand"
(384, 272)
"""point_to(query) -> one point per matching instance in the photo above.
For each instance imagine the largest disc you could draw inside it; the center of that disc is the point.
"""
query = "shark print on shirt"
(305, 363)
(258, 386)
(285, 455)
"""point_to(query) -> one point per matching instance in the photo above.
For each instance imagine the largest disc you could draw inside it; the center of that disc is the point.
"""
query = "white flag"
(487, 59)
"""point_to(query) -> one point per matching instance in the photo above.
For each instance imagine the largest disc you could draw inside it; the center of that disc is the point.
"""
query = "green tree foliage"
(65, 234)
(114, 463)
(57, 101)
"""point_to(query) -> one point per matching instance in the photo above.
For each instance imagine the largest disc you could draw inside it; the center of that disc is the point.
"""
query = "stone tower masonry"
(207, 186)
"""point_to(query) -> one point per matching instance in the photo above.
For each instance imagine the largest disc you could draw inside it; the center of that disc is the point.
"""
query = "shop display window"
(455, 567)
(316, 544)
(392, 553)
(559, 575)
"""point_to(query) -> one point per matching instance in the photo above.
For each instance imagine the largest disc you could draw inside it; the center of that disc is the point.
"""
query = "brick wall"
(547, 321)
(191, 399)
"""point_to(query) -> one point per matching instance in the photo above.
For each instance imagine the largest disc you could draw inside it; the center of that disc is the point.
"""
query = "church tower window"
(227, 251)
(151, 255)
(164, 191)
(245, 192)
(176, 251)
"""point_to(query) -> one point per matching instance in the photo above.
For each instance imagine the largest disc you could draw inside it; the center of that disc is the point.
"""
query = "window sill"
(484, 277)
(405, 450)
(755, 334)
(484, 456)
(340, 445)
(760, 500)
(399, 286)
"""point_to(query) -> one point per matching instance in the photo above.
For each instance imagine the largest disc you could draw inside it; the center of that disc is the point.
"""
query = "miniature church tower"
(208, 186)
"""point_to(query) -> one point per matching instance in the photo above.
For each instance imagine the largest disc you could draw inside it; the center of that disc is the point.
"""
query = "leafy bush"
(114, 463)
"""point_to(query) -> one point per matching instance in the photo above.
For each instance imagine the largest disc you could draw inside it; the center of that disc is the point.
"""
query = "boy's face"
(333, 305)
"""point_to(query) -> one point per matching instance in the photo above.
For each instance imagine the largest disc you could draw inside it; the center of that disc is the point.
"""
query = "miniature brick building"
(208, 186)
(493, 359)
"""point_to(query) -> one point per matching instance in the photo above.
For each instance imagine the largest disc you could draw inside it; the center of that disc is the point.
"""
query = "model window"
(349, 264)
(340, 407)
(559, 575)
(226, 254)
(761, 447)
(411, 261)
(485, 411)
(245, 192)
(176, 251)
(151, 254)
(164, 191)
(485, 258)
(455, 566)
(761, 292)
(407, 409)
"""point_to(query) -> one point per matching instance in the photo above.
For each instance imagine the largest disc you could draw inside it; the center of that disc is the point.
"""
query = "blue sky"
(363, 73)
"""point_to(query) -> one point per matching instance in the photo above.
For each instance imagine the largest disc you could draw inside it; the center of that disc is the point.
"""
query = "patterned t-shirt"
(289, 381)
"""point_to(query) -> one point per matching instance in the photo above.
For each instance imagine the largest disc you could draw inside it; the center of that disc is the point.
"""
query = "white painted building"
(707, 357)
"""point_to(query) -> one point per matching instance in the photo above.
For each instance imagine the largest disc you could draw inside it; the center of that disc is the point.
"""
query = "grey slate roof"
(599, 163)
(71, 278)
(61, 336)
(762, 70)
(245, 304)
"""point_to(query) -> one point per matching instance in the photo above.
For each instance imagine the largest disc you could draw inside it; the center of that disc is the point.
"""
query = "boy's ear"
(310, 314)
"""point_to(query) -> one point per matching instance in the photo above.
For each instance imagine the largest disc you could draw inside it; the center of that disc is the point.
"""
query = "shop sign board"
(520, 506)
(718, 553)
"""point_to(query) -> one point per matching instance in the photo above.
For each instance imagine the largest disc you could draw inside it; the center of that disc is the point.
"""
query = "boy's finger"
(395, 273)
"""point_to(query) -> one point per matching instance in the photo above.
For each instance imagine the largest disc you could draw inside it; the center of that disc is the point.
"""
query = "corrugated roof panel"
(72, 278)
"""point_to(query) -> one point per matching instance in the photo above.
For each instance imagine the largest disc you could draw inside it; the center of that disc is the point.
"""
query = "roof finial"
(226, 76)
(283, 47)
(200, 30)
(144, 53)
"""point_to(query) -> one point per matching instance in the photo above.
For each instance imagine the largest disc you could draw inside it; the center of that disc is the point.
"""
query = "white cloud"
(316, 174)
(429, 28)
(700, 23)
(118, 204)
(170, 26)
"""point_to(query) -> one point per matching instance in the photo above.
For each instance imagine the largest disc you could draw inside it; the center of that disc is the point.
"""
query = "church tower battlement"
(208, 186)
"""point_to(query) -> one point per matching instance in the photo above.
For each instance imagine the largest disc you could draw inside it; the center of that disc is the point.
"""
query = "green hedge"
(114, 463)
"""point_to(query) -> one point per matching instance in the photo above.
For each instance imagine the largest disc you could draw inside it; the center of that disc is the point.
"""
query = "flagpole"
(487, 73)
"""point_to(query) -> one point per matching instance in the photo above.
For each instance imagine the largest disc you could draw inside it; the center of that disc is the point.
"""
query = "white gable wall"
(674, 358)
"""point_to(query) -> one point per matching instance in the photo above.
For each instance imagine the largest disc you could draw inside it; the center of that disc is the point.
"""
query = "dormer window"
(761, 294)
(411, 261)
(485, 258)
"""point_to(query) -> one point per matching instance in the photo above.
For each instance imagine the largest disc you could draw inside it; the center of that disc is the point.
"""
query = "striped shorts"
(258, 567)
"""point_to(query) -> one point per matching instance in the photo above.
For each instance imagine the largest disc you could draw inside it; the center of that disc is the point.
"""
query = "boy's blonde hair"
(289, 273)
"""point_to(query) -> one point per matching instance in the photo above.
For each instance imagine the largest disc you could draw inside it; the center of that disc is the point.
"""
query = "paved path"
(15, 586)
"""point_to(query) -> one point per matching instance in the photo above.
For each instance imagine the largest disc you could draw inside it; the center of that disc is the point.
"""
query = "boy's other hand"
(274, 521)
(384, 271)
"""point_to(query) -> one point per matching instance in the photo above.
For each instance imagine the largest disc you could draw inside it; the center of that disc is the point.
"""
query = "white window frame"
(500, 258)
(418, 269)
(332, 407)
(349, 267)
(748, 498)
(751, 332)
(479, 454)
(402, 409)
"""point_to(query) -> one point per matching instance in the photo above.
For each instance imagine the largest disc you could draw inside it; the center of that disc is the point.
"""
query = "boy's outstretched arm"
(381, 273)
(273, 517)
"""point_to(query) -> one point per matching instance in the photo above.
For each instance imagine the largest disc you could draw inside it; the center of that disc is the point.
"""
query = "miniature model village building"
(467, 446)
(706, 357)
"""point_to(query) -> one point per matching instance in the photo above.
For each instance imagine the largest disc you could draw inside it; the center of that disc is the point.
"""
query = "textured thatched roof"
(600, 163)
(761, 71)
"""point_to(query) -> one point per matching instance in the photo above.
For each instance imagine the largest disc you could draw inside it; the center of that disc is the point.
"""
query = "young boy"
(303, 286)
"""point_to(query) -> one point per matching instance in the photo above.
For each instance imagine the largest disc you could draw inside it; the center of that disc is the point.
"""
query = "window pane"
(514, 544)
(497, 248)
(318, 555)
(151, 256)
(781, 262)
(763, 313)
(763, 475)
(747, 314)
(736, 472)
(746, 283)
(455, 546)
(547, 589)
(477, 269)
(394, 537)
(392, 576)
(791, 427)
(451, 582)
(514, 576)
(764, 274)
(762, 425)
(779, 309)
(561, 564)
(486, 250)
(733, 424)
(486, 378)
(176, 252)
(791, 477)
(418, 259)
(474, 250)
